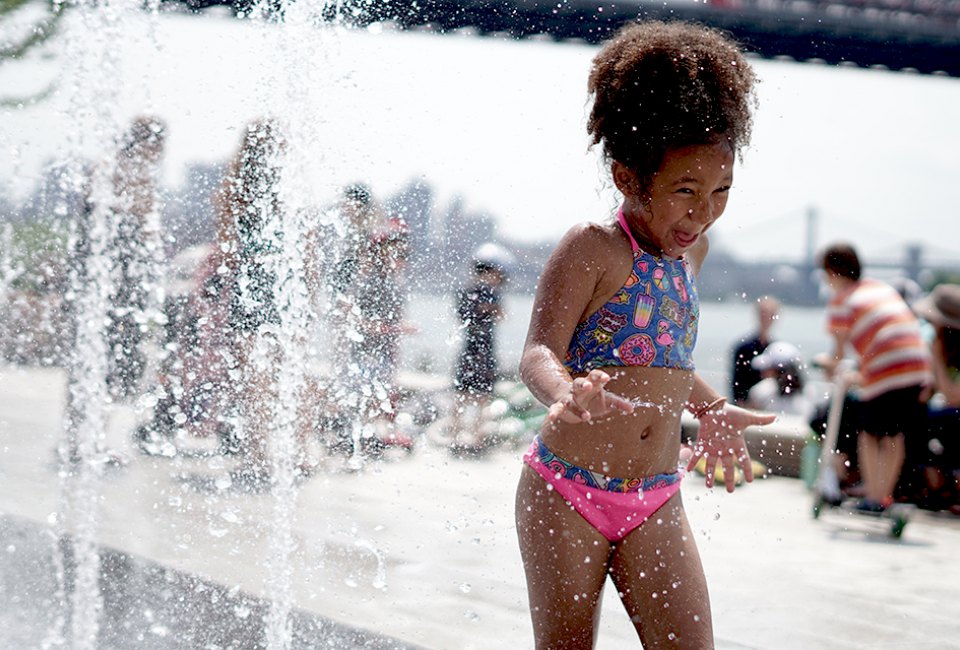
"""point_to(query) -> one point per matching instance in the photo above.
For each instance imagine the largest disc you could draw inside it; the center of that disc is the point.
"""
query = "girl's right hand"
(586, 400)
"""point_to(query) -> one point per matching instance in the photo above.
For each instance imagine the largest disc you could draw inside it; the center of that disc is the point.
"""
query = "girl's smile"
(684, 198)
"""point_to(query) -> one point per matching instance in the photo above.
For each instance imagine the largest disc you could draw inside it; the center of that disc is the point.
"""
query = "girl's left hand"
(721, 440)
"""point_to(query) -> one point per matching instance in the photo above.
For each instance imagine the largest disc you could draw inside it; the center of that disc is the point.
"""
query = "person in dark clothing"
(359, 216)
(744, 375)
(251, 213)
(133, 210)
(479, 309)
(936, 452)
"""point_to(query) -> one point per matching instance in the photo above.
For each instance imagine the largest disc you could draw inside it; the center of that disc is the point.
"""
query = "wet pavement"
(145, 606)
(420, 550)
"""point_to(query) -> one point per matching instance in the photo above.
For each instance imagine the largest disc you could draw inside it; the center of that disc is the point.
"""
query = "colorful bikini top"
(651, 321)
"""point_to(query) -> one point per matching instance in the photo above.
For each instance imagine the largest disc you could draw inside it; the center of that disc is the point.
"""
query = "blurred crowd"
(203, 337)
(896, 363)
(206, 337)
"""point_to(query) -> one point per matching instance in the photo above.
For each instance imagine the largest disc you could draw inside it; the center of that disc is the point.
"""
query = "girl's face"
(685, 197)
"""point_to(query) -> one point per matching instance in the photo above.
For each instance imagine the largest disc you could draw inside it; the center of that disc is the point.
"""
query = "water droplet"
(159, 630)
(230, 517)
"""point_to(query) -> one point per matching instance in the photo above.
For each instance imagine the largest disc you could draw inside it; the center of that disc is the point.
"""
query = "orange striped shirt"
(885, 335)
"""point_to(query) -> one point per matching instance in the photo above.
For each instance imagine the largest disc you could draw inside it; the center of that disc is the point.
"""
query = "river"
(434, 347)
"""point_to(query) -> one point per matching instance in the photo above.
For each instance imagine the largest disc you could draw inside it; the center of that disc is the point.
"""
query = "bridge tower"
(810, 289)
(913, 262)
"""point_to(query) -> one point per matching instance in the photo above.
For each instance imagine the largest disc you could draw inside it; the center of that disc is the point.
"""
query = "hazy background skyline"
(501, 123)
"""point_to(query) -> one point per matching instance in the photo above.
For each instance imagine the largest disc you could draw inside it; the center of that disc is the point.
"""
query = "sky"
(501, 123)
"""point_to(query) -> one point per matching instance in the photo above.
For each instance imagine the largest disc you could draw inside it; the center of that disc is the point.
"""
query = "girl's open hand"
(586, 400)
(720, 440)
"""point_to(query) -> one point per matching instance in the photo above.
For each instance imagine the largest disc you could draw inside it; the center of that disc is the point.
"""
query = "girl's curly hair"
(658, 86)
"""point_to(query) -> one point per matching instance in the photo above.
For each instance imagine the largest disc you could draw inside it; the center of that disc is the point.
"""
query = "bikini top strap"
(623, 224)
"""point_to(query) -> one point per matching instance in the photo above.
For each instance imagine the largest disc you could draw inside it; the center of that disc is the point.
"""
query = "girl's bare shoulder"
(592, 242)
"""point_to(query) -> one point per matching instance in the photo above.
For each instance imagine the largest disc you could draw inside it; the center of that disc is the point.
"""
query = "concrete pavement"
(422, 548)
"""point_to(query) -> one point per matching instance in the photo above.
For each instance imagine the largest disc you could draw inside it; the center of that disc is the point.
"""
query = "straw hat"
(941, 307)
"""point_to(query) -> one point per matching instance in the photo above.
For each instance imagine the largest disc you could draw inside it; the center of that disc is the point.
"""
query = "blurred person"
(871, 319)
(248, 203)
(743, 374)
(939, 451)
(479, 309)
(130, 210)
(192, 377)
(135, 212)
(376, 296)
(358, 215)
(783, 389)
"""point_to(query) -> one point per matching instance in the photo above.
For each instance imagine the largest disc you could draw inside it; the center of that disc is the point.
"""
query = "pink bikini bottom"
(614, 506)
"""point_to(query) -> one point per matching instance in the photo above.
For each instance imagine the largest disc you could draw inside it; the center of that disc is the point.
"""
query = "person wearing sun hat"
(941, 308)
(941, 455)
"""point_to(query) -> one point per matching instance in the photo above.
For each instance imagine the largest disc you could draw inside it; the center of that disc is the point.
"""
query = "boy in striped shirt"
(870, 318)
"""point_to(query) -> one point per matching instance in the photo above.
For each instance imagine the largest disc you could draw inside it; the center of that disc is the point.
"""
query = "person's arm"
(839, 351)
(720, 436)
(565, 291)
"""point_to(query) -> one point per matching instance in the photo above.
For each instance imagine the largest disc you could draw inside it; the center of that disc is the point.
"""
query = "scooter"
(827, 494)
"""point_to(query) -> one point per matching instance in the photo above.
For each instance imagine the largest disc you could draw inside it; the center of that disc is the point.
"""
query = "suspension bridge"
(903, 35)
(885, 255)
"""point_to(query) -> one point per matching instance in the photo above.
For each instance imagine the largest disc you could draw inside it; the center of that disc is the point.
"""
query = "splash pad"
(116, 301)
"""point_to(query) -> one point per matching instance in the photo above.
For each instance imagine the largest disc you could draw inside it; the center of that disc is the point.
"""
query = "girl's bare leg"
(659, 578)
(565, 560)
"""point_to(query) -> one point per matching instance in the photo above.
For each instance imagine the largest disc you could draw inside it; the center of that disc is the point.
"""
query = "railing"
(916, 35)
(943, 12)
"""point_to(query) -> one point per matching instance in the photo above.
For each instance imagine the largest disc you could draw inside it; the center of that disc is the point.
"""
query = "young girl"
(610, 349)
